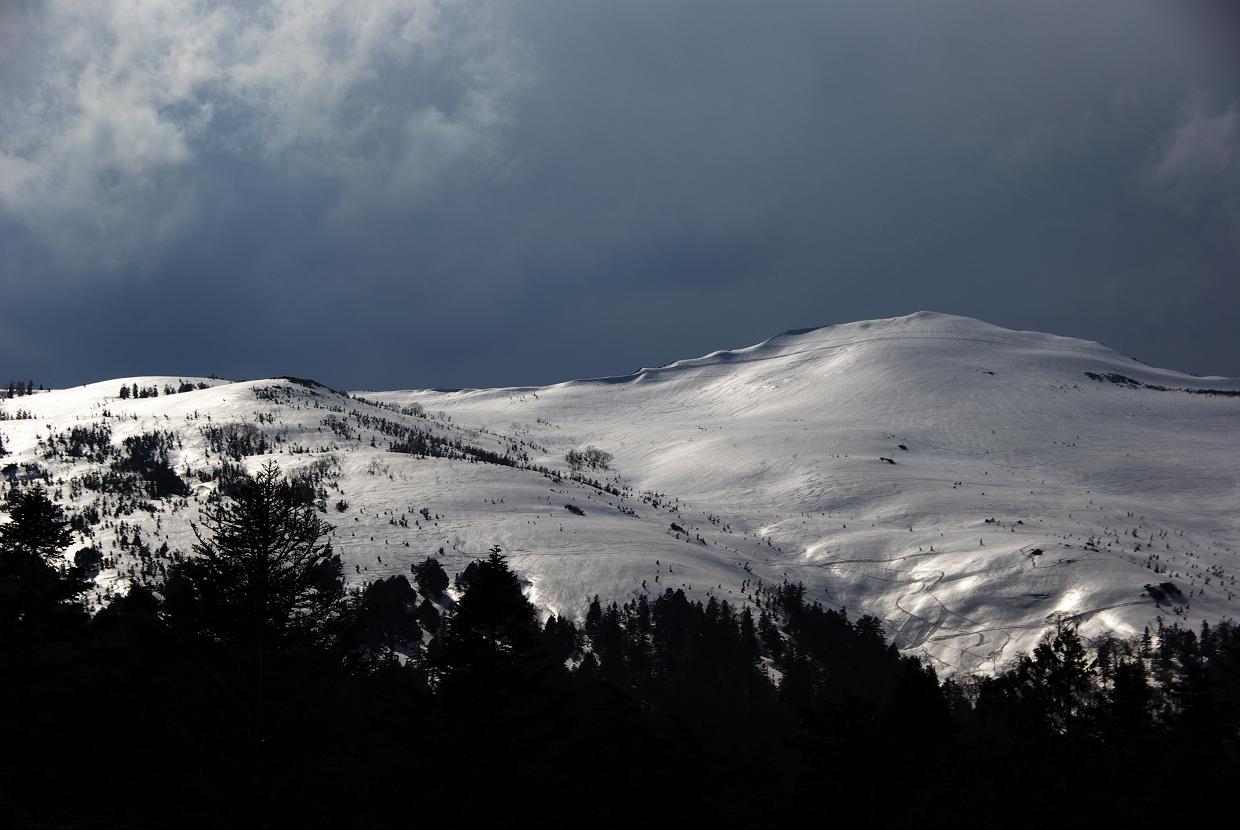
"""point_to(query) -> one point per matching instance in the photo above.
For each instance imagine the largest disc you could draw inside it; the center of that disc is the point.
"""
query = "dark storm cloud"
(457, 194)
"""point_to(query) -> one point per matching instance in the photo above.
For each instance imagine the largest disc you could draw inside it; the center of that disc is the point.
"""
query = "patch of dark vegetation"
(431, 578)
(610, 488)
(228, 478)
(1164, 591)
(414, 410)
(140, 469)
(424, 443)
(88, 560)
(283, 699)
(274, 394)
(18, 389)
(339, 426)
(147, 456)
(118, 494)
(1114, 377)
(135, 391)
(574, 509)
(590, 458)
(306, 382)
(85, 518)
(26, 471)
(88, 443)
(235, 440)
(307, 485)
(1124, 380)
(389, 611)
(312, 385)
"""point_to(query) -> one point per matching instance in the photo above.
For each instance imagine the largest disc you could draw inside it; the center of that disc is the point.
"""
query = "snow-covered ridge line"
(966, 483)
(921, 325)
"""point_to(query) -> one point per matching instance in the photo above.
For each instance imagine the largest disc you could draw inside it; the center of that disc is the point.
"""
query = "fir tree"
(37, 527)
(492, 638)
(430, 577)
(390, 607)
(38, 595)
(264, 574)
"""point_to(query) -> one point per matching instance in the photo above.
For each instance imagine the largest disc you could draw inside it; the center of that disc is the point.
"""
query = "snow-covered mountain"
(964, 482)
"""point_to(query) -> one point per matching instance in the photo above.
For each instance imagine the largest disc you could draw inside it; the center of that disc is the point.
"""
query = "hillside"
(962, 481)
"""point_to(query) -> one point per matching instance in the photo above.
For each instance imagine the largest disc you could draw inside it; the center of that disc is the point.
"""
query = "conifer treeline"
(251, 689)
(17, 389)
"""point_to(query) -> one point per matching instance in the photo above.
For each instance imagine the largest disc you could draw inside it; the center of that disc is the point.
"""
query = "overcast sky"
(410, 193)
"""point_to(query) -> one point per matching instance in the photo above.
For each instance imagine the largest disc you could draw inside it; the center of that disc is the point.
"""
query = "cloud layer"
(128, 104)
(441, 192)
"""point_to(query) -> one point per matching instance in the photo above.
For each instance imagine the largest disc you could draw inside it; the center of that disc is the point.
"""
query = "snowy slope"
(768, 458)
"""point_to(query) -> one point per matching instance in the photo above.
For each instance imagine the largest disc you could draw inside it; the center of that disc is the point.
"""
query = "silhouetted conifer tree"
(430, 577)
(390, 610)
(39, 596)
(492, 637)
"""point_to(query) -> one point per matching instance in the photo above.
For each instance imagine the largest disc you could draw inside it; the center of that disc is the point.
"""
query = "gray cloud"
(105, 150)
(1199, 165)
(439, 193)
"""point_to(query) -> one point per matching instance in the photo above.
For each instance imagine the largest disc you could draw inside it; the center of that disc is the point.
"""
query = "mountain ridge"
(907, 467)
(857, 330)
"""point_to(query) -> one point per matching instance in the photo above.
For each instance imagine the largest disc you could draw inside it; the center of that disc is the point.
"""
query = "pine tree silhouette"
(264, 575)
(39, 596)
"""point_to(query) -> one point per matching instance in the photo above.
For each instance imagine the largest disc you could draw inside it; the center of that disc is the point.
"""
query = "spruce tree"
(264, 577)
(37, 526)
(38, 595)
(430, 577)
(492, 639)
(390, 609)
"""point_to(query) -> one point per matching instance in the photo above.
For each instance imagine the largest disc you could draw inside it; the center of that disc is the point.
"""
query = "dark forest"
(251, 688)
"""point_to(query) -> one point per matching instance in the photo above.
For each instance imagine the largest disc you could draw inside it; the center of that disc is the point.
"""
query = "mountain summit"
(966, 483)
